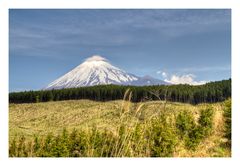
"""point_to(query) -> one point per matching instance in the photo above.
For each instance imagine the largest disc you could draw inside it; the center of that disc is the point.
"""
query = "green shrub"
(36, 145)
(228, 121)
(185, 123)
(188, 129)
(194, 137)
(48, 146)
(194, 132)
(13, 148)
(206, 121)
(21, 149)
(74, 144)
(163, 138)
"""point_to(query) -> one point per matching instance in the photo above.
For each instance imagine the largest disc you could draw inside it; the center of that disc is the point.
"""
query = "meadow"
(119, 128)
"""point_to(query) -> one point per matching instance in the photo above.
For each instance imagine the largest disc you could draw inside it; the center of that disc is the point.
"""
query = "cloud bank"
(184, 79)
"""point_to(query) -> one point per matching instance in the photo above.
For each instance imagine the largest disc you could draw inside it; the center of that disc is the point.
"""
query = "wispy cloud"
(52, 29)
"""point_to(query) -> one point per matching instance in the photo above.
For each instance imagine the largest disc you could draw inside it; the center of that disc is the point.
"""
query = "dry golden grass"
(52, 117)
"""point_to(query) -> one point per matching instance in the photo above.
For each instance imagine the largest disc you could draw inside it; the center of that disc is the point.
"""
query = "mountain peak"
(97, 70)
(95, 58)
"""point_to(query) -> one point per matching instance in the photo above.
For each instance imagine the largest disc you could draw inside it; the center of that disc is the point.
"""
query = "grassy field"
(129, 128)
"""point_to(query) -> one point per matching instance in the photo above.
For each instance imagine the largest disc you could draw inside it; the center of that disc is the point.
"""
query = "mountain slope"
(148, 80)
(97, 70)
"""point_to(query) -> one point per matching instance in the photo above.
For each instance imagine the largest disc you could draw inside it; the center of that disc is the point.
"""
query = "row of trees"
(210, 92)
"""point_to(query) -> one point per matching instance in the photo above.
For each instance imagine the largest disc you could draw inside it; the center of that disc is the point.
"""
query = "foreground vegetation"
(207, 93)
(86, 128)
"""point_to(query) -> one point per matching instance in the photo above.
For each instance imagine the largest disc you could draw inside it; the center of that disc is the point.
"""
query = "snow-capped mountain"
(97, 70)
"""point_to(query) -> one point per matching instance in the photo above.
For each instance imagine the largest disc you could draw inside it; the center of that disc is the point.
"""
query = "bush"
(185, 123)
(193, 132)
(13, 148)
(163, 138)
(194, 137)
(206, 121)
(48, 145)
(228, 121)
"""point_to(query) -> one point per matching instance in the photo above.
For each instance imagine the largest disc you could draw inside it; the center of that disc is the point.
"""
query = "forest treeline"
(207, 93)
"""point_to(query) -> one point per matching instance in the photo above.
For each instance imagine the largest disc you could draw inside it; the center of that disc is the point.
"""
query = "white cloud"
(95, 58)
(164, 74)
(184, 79)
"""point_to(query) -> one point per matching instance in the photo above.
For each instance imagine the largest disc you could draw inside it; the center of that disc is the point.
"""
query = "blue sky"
(179, 46)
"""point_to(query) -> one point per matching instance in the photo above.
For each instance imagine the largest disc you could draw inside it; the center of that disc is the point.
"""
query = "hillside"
(112, 121)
